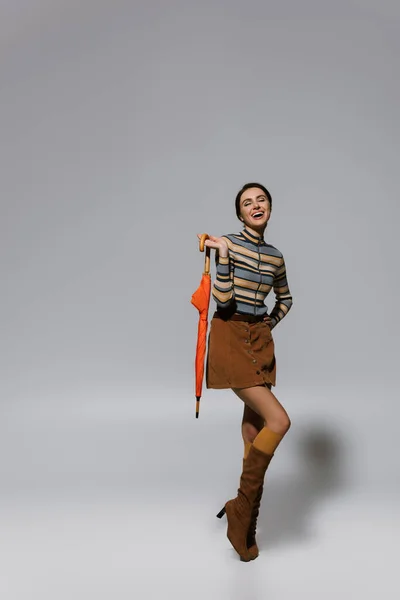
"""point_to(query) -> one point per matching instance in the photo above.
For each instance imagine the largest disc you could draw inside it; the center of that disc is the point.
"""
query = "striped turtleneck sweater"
(246, 276)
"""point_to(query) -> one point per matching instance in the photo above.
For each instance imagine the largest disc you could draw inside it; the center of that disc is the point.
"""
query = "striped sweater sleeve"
(222, 290)
(284, 298)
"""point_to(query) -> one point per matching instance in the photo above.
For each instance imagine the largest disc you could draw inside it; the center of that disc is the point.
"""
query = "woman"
(241, 351)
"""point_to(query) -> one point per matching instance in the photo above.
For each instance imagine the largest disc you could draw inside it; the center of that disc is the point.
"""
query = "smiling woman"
(241, 353)
(249, 194)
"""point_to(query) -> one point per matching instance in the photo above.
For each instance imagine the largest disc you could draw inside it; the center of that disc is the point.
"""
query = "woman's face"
(254, 208)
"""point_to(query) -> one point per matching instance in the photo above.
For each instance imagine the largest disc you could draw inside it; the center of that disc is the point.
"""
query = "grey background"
(127, 128)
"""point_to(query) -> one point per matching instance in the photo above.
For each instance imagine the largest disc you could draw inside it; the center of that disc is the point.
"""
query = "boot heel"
(221, 513)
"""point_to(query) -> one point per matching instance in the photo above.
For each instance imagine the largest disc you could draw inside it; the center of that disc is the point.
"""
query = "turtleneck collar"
(252, 237)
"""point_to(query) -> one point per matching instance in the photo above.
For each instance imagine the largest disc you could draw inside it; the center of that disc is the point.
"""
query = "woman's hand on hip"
(217, 243)
(267, 319)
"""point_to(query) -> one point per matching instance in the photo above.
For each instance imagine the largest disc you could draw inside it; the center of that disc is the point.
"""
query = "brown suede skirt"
(241, 353)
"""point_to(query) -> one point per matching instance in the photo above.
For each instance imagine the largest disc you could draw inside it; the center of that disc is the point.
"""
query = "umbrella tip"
(197, 406)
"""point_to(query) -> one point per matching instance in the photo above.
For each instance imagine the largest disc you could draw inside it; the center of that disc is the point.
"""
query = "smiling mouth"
(257, 215)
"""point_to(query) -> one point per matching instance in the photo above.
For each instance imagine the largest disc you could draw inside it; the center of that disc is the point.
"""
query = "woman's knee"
(280, 423)
(264, 403)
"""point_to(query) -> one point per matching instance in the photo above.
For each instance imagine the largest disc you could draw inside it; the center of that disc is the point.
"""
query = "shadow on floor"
(287, 505)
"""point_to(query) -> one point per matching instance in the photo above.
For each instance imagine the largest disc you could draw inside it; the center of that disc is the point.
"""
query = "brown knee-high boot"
(242, 512)
(251, 534)
(239, 510)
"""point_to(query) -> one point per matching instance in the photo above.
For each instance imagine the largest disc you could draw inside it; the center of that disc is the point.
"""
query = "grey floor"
(100, 502)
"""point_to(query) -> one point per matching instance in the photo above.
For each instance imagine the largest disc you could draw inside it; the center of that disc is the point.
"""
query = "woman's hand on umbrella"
(217, 243)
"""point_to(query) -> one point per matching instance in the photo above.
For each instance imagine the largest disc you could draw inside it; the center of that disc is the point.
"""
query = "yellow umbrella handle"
(203, 238)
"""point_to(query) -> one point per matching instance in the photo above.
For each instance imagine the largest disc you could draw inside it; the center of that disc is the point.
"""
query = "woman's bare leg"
(270, 412)
(252, 424)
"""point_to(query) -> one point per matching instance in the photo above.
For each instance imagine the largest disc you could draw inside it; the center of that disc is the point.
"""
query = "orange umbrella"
(201, 300)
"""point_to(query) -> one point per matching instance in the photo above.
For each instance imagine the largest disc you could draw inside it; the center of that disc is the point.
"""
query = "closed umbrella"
(201, 300)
